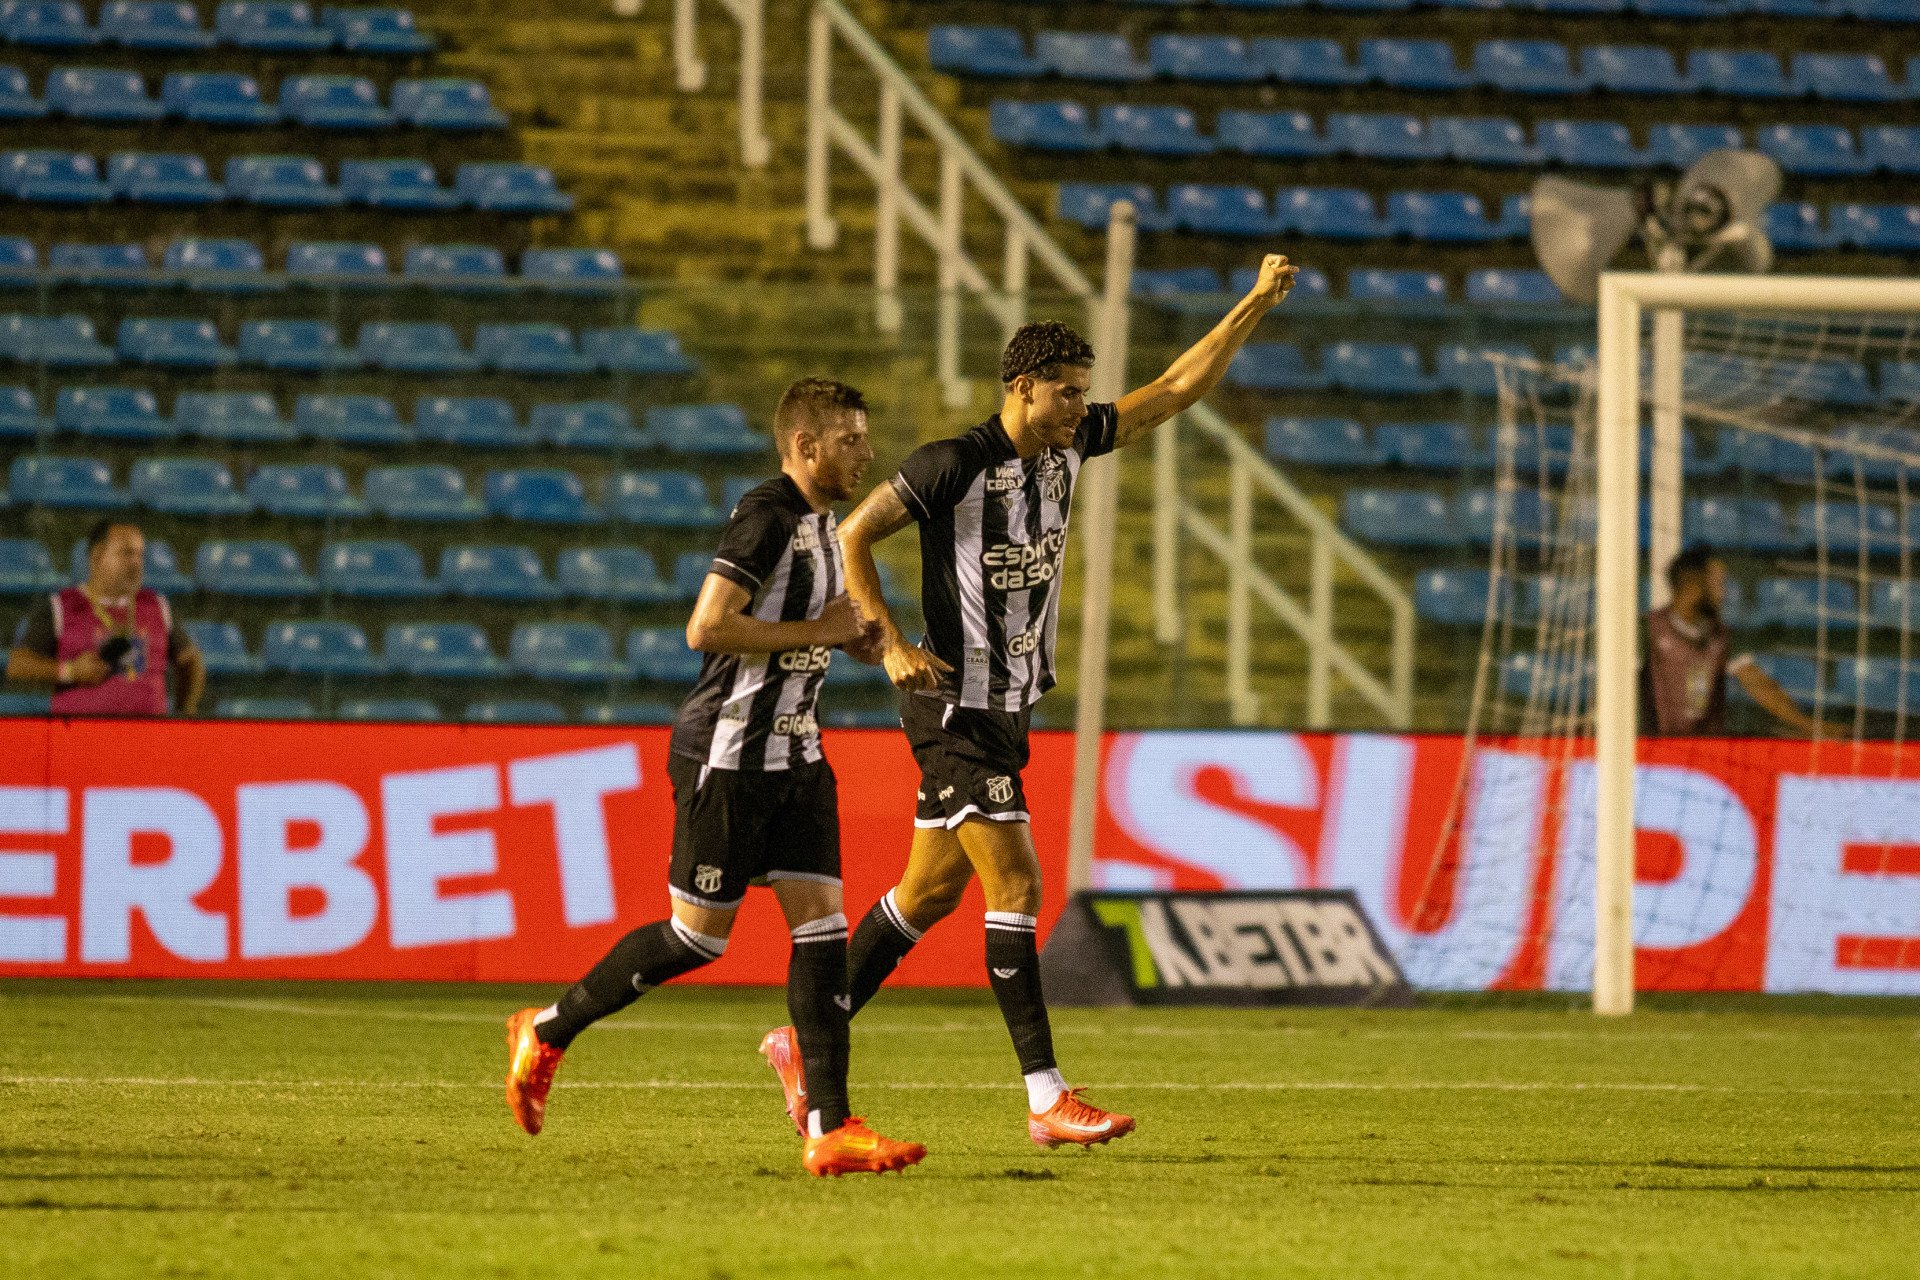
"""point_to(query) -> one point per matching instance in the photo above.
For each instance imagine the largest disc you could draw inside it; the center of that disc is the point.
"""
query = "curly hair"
(1041, 350)
(809, 402)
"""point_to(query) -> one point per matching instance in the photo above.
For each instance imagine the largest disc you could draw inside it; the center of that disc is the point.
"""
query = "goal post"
(1627, 302)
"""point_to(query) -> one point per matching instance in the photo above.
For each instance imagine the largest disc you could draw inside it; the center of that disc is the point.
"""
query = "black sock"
(1013, 968)
(644, 958)
(879, 944)
(817, 1003)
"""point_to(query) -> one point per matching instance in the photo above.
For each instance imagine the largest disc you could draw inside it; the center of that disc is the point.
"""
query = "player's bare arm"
(191, 670)
(881, 516)
(1200, 368)
(1778, 703)
(721, 623)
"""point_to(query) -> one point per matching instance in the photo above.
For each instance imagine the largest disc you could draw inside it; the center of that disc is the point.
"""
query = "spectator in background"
(106, 645)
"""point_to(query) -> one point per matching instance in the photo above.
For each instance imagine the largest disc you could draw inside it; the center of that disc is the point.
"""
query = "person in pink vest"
(107, 645)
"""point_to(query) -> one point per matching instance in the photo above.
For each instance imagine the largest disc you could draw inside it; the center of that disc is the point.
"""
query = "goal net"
(1773, 845)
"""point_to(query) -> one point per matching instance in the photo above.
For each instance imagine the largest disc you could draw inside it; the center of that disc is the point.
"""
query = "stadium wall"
(495, 853)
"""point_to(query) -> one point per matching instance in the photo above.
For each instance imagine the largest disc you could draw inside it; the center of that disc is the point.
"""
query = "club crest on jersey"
(707, 878)
(999, 790)
(1053, 477)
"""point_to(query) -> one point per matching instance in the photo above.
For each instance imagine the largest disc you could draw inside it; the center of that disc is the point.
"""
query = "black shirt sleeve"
(755, 538)
(935, 477)
(38, 635)
(1097, 430)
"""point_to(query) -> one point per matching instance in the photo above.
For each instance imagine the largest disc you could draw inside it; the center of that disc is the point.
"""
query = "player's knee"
(1016, 891)
(926, 905)
(707, 946)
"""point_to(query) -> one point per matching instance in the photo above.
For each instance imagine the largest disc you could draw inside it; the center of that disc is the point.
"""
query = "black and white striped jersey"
(993, 541)
(758, 711)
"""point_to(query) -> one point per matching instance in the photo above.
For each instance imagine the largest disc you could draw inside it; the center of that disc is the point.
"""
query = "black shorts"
(736, 827)
(970, 761)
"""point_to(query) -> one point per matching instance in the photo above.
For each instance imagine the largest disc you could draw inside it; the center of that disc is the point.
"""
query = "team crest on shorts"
(999, 790)
(706, 879)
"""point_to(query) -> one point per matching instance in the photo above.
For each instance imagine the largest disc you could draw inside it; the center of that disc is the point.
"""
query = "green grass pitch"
(196, 1129)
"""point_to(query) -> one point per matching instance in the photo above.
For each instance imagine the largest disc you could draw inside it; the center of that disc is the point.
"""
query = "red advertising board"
(502, 853)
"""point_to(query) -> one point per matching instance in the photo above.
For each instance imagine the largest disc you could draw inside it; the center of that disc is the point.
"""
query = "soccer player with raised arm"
(992, 509)
(754, 798)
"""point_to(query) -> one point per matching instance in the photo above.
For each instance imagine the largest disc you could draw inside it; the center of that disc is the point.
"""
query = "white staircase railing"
(690, 70)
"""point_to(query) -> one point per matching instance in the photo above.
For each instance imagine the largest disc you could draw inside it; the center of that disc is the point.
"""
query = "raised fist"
(1276, 278)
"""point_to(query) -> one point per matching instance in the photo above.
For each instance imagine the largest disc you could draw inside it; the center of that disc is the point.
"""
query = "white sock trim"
(813, 1125)
(1011, 920)
(825, 929)
(710, 947)
(891, 909)
(1044, 1089)
(547, 1014)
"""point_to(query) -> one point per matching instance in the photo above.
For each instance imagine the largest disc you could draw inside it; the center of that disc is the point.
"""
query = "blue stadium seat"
(282, 182)
(53, 177)
(414, 346)
(573, 270)
(1176, 282)
(1793, 227)
(1892, 148)
(350, 419)
(1796, 604)
(515, 711)
(187, 487)
(1428, 446)
(1633, 68)
(663, 500)
(1441, 216)
(1383, 136)
(20, 415)
(311, 346)
(1100, 56)
(235, 417)
(1845, 77)
(651, 351)
(1044, 126)
(271, 26)
(264, 709)
(534, 348)
(304, 490)
(661, 653)
(1526, 66)
(1900, 381)
(712, 429)
(1156, 131)
(120, 266)
(395, 184)
(1888, 228)
(1893, 605)
(1089, 203)
(1412, 64)
(19, 260)
(251, 568)
(1490, 140)
(444, 103)
(1740, 73)
(1587, 144)
(473, 422)
(26, 568)
(1679, 145)
(1336, 213)
(111, 413)
(1834, 381)
(1398, 288)
(1282, 134)
(845, 673)
(497, 187)
(1888, 11)
(734, 488)
(1466, 367)
(338, 262)
(1398, 517)
(1204, 59)
(545, 495)
(1307, 61)
(162, 178)
(1320, 442)
(154, 24)
(1476, 513)
(1451, 597)
(1749, 524)
(1874, 683)
(1813, 149)
(426, 493)
(216, 97)
(16, 98)
(174, 342)
(586, 424)
(646, 711)
(690, 568)
(466, 267)
(46, 24)
(26, 704)
(441, 651)
(219, 265)
(375, 29)
(570, 652)
(64, 342)
(615, 575)
(1501, 287)
(492, 572)
(320, 649)
(387, 710)
(1274, 366)
(82, 484)
(982, 51)
(333, 102)
(1844, 526)
(223, 648)
(100, 93)
(375, 569)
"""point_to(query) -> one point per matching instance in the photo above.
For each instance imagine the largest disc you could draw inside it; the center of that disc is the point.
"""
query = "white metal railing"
(690, 70)
(1248, 476)
(940, 224)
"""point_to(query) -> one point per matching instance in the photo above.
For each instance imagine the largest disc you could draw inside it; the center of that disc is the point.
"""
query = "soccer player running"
(992, 509)
(754, 798)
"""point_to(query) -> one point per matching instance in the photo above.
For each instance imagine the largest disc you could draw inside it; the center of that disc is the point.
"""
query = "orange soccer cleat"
(781, 1048)
(1072, 1119)
(854, 1148)
(530, 1068)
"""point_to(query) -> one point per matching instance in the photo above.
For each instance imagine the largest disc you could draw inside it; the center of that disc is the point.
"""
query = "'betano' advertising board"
(501, 853)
